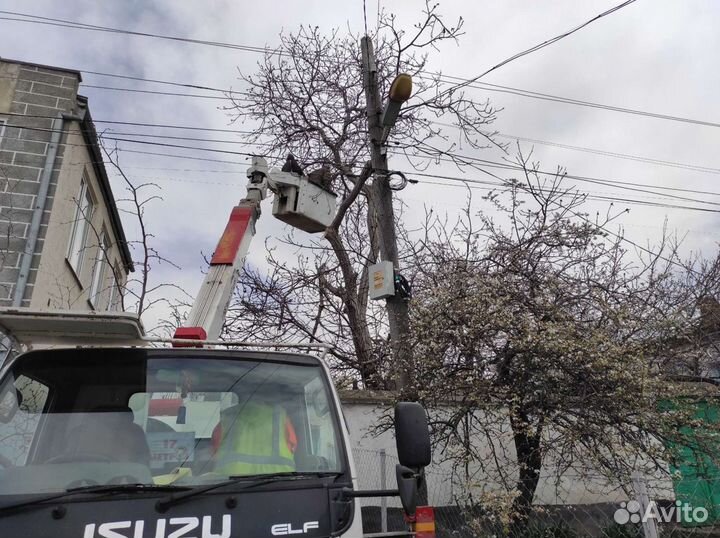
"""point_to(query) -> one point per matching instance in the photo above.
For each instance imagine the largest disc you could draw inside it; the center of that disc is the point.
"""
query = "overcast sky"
(654, 55)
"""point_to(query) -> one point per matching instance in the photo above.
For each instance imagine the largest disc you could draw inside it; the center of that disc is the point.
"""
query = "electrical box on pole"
(382, 280)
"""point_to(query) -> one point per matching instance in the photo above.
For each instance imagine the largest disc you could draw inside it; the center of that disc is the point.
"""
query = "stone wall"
(30, 97)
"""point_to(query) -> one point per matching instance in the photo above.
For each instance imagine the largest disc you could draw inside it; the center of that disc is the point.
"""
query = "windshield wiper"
(94, 489)
(254, 479)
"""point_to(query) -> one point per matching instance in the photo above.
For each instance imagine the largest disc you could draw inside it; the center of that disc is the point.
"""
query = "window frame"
(115, 299)
(97, 282)
(81, 224)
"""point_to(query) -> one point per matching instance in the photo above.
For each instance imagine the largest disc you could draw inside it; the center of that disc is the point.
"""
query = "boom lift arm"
(298, 201)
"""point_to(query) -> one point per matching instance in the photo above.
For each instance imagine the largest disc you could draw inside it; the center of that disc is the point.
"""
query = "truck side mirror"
(407, 481)
(412, 435)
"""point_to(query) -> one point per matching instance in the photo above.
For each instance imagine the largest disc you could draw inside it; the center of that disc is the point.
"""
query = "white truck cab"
(105, 435)
(113, 438)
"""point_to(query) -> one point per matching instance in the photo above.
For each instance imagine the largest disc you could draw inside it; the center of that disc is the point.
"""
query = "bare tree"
(142, 290)
(307, 98)
(322, 297)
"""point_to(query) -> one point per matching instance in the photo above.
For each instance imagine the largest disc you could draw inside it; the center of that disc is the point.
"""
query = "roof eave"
(91, 139)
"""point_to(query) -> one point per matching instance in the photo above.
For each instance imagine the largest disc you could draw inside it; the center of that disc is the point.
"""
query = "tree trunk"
(529, 456)
(367, 363)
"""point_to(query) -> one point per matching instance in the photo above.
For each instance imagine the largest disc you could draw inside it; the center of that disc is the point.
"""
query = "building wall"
(57, 285)
(23, 149)
(28, 91)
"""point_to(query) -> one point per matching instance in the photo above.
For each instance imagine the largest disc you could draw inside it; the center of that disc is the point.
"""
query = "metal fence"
(573, 506)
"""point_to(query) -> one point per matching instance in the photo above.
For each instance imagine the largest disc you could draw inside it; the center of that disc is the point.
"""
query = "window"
(84, 207)
(146, 412)
(323, 439)
(98, 276)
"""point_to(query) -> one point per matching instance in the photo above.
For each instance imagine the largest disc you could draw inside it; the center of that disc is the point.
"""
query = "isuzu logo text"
(176, 527)
(284, 529)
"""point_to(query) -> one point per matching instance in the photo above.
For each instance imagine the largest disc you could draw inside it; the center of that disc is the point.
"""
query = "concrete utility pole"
(382, 207)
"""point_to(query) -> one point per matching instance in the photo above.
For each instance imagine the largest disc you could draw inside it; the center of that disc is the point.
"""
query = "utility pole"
(381, 204)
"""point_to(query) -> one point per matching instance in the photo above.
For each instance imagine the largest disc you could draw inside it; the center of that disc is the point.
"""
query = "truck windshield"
(72, 418)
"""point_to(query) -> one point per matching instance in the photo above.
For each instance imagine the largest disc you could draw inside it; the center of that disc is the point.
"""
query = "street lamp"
(400, 91)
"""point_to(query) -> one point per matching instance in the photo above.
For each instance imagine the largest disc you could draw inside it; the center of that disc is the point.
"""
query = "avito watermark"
(630, 512)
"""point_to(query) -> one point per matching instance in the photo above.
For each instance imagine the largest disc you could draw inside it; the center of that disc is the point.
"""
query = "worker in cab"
(254, 437)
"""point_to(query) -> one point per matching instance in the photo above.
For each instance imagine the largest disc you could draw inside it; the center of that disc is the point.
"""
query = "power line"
(477, 85)
(115, 138)
(586, 194)
(497, 88)
(609, 232)
(456, 82)
(455, 158)
(637, 187)
(157, 81)
(134, 123)
(189, 138)
(628, 156)
(468, 182)
(155, 92)
(596, 151)
(537, 47)
(570, 101)
(504, 183)
(649, 160)
(64, 23)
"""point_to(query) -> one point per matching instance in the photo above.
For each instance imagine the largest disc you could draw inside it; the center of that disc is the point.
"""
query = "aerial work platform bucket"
(306, 205)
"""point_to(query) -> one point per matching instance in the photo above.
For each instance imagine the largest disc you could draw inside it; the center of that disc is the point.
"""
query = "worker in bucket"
(254, 437)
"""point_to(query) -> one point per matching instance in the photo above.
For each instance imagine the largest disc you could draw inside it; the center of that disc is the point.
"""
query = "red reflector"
(237, 225)
(424, 526)
(189, 333)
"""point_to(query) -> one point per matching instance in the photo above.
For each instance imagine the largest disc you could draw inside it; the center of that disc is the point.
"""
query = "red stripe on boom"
(237, 225)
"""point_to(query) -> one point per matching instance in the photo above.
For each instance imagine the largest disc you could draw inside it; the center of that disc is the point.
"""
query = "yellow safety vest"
(254, 440)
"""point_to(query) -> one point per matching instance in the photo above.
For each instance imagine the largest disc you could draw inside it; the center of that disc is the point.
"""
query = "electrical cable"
(649, 160)
(638, 187)
(484, 162)
(458, 81)
(596, 151)
(570, 101)
(155, 92)
(425, 157)
(51, 21)
(536, 47)
(585, 194)
(606, 153)
(609, 232)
